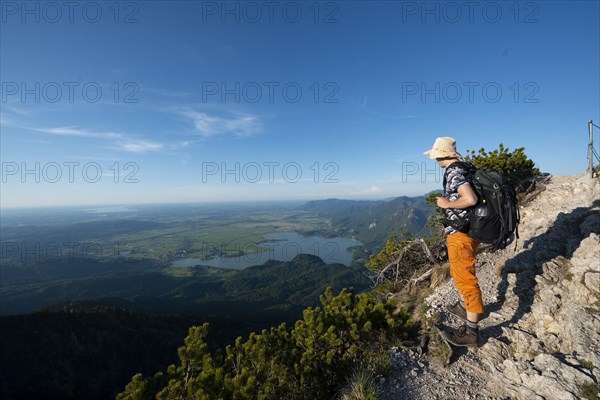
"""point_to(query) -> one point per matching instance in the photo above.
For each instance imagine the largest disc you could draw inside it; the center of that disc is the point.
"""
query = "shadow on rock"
(561, 239)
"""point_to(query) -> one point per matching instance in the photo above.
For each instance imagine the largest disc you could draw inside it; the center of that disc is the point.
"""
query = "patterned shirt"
(456, 175)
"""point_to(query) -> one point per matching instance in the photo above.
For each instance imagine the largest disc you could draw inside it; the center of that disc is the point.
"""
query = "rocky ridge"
(540, 338)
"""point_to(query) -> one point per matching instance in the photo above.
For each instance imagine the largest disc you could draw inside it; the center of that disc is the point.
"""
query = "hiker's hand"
(442, 202)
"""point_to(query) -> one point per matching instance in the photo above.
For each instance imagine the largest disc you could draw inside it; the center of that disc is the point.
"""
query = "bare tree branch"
(426, 250)
(380, 276)
(420, 279)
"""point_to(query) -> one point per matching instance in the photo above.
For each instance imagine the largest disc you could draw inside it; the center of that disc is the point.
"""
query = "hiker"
(458, 196)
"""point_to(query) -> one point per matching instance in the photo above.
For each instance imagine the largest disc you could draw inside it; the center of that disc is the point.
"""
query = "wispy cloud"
(139, 146)
(119, 141)
(239, 125)
(17, 109)
(10, 118)
(371, 190)
(74, 131)
(4, 120)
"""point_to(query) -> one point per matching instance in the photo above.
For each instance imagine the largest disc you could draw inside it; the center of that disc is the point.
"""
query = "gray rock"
(592, 281)
(534, 342)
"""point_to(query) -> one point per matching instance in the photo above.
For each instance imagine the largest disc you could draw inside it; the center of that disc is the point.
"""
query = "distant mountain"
(370, 221)
(335, 206)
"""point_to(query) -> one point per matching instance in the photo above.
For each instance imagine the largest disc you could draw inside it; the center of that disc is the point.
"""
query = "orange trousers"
(461, 254)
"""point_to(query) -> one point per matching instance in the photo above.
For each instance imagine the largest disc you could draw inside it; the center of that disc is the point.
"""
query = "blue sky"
(152, 102)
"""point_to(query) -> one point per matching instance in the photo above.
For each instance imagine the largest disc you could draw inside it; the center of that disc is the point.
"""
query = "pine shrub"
(313, 360)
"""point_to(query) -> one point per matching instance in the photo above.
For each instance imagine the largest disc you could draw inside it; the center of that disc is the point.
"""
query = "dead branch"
(410, 284)
(426, 250)
(420, 279)
(380, 276)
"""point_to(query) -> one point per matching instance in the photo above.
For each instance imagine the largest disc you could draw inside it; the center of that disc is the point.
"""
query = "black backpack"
(496, 216)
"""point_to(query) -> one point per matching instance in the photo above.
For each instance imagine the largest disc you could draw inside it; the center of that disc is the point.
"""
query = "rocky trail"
(540, 336)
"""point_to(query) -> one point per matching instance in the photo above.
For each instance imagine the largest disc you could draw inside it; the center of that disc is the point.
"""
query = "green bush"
(311, 361)
(142, 389)
(515, 165)
(435, 221)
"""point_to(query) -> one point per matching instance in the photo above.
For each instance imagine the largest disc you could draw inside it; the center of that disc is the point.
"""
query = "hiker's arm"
(467, 198)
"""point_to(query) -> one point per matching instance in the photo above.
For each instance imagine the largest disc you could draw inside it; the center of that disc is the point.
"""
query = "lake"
(284, 247)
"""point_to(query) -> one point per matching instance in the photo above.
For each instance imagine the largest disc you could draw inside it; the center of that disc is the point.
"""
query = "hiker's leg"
(461, 253)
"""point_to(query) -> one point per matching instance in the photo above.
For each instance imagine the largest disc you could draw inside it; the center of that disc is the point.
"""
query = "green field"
(203, 237)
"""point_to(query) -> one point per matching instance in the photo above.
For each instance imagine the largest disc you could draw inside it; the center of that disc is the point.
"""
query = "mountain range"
(370, 221)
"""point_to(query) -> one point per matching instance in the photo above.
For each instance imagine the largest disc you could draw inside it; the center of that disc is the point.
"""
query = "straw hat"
(444, 147)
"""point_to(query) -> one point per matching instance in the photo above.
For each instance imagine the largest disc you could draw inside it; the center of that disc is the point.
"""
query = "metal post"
(590, 150)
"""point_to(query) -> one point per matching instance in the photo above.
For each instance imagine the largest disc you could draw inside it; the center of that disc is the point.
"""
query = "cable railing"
(592, 152)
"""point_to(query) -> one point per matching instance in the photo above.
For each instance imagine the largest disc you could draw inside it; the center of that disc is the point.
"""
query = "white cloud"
(139, 146)
(74, 131)
(240, 125)
(120, 141)
(16, 109)
(372, 189)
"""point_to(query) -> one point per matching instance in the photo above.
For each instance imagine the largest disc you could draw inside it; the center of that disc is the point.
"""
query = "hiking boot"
(458, 310)
(463, 336)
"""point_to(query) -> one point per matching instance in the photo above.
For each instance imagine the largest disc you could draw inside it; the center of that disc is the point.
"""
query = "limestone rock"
(541, 336)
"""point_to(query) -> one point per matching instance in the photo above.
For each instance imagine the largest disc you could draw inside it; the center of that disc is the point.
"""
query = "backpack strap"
(517, 229)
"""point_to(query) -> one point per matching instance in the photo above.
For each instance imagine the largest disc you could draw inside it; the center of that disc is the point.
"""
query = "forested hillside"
(371, 221)
(90, 350)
